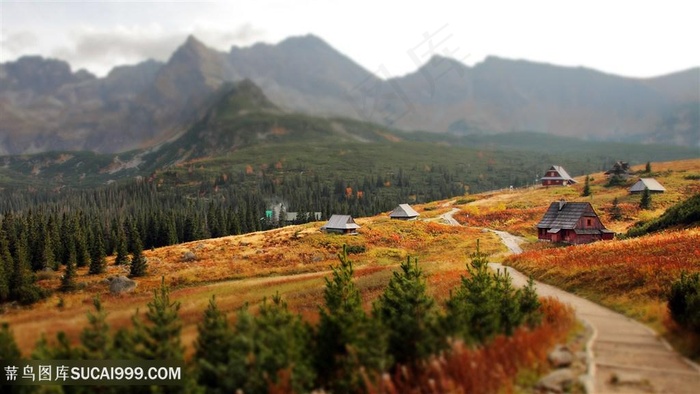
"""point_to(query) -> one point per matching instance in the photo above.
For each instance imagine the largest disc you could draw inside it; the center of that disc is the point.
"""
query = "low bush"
(684, 301)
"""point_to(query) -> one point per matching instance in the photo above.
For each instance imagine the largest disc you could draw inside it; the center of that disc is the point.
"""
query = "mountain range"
(45, 106)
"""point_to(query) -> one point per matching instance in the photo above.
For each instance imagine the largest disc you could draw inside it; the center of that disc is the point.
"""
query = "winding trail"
(620, 348)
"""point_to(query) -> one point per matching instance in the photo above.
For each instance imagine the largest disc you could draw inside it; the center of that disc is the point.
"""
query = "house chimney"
(562, 202)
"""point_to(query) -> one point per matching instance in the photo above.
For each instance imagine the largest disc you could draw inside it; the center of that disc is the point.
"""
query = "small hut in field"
(341, 224)
(649, 183)
(404, 212)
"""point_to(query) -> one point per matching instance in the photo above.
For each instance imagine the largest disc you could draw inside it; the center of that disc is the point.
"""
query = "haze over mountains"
(46, 106)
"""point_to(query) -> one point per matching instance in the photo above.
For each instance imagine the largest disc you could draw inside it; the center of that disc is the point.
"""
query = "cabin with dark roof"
(404, 212)
(572, 222)
(621, 169)
(341, 224)
(557, 176)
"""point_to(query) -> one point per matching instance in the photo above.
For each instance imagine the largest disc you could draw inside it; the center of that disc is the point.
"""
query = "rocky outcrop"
(121, 284)
(560, 357)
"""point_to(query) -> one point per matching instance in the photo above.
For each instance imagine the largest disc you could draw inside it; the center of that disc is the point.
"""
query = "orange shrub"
(644, 266)
(516, 220)
(486, 369)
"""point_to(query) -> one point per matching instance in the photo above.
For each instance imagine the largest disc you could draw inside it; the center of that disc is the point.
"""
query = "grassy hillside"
(519, 211)
(631, 276)
(683, 214)
(239, 269)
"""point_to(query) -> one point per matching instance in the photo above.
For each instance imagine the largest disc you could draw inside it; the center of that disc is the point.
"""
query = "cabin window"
(589, 222)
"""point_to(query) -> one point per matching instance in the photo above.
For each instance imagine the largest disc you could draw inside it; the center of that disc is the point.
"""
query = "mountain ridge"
(138, 106)
(238, 129)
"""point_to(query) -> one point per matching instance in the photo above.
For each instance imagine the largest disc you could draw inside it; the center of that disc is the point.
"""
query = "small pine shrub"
(684, 301)
(355, 249)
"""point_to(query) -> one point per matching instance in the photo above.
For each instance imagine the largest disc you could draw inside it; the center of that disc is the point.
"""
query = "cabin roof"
(565, 215)
(342, 222)
(562, 174)
(404, 211)
(650, 183)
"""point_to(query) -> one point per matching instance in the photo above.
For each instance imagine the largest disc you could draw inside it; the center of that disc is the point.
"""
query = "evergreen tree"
(52, 228)
(645, 201)
(615, 210)
(82, 252)
(684, 301)
(123, 345)
(6, 268)
(139, 264)
(615, 180)
(62, 350)
(530, 304)
(95, 337)
(22, 281)
(510, 310)
(409, 315)
(160, 338)
(68, 278)
(8, 346)
(98, 262)
(240, 358)
(47, 256)
(283, 343)
(169, 232)
(347, 339)
(586, 187)
(472, 312)
(42, 350)
(212, 348)
(647, 168)
(122, 252)
(275, 340)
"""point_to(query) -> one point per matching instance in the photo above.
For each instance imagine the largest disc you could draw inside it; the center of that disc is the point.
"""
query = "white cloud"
(15, 43)
(624, 37)
(99, 50)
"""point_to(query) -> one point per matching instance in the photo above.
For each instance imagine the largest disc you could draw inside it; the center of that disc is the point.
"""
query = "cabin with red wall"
(557, 176)
(572, 222)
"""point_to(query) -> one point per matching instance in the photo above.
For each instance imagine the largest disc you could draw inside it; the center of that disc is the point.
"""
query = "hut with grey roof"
(404, 212)
(649, 183)
(341, 224)
(572, 222)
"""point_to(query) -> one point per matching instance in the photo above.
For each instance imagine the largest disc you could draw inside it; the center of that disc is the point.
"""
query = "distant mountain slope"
(238, 128)
(500, 95)
(241, 116)
(45, 106)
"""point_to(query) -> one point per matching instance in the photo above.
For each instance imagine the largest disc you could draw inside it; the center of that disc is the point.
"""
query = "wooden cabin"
(404, 212)
(557, 176)
(650, 183)
(341, 224)
(621, 169)
(572, 222)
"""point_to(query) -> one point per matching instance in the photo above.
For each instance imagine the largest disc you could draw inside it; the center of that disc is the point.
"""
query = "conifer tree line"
(275, 348)
(70, 229)
(82, 228)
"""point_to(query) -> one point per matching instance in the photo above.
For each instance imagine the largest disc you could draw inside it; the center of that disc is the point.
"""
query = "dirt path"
(620, 348)
(448, 219)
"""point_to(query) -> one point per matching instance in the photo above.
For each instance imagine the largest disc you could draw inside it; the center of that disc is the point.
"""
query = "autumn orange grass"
(243, 269)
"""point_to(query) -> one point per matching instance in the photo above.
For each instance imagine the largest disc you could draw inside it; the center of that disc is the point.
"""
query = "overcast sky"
(391, 38)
